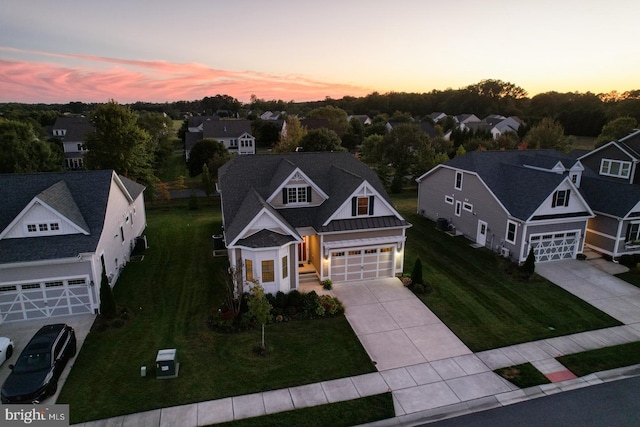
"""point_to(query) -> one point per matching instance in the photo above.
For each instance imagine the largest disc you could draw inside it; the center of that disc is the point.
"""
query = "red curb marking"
(555, 377)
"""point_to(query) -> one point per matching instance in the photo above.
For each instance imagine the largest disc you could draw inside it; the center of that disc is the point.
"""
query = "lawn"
(171, 293)
(632, 276)
(602, 359)
(475, 297)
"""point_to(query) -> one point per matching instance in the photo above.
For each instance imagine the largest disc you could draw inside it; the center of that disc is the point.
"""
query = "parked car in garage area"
(38, 368)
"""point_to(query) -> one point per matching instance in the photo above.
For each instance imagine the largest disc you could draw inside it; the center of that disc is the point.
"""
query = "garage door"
(42, 300)
(556, 246)
(361, 263)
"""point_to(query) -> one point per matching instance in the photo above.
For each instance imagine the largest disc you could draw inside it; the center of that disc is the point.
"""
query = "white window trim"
(467, 207)
(448, 200)
(632, 223)
(610, 162)
(515, 232)
(296, 189)
(458, 211)
(455, 182)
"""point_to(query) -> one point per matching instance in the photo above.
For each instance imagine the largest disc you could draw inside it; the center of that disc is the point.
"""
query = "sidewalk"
(431, 385)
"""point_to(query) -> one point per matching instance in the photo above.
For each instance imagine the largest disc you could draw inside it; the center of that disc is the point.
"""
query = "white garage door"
(29, 301)
(361, 263)
(556, 246)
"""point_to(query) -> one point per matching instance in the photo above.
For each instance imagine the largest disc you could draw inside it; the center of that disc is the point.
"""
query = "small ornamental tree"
(107, 301)
(259, 307)
(416, 273)
(529, 266)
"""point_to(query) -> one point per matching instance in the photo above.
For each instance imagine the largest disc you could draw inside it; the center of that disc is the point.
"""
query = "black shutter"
(566, 198)
(553, 202)
(309, 194)
(371, 198)
(354, 206)
(284, 196)
(628, 236)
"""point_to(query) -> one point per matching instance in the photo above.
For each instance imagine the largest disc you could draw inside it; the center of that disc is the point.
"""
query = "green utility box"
(167, 365)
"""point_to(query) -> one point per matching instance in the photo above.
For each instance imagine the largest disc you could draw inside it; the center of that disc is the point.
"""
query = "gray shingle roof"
(87, 190)
(247, 181)
(614, 198)
(77, 128)
(520, 189)
(225, 128)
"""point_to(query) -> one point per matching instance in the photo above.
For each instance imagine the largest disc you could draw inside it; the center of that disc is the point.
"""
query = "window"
(267, 271)
(560, 198)
(389, 249)
(337, 254)
(458, 184)
(458, 208)
(633, 232)
(511, 231)
(43, 227)
(248, 266)
(361, 206)
(448, 200)
(73, 282)
(296, 195)
(467, 207)
(285, 267)
(31, 228)
(574, 178)
(355, 253)
(122, 235)
(616, 168)
(54, 226)
(370, 251)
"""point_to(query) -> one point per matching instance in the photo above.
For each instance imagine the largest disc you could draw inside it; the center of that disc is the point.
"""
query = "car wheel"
(9, 352)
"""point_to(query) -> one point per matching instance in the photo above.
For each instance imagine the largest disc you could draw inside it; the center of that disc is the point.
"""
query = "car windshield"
(33, 362)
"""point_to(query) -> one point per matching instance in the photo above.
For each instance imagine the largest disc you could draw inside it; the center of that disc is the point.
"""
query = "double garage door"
(361, 263)
(42, 300)
(554, 246)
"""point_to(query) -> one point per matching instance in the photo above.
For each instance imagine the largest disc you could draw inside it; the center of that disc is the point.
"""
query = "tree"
(207, 181)
(160, 128)
(118, 143)
(416, 273)
(291, 136)
(208, 152)
(616, 129)
(337, 118)
(21, 151)
(529, 266)
(400, 147)
(354, 136)
(259, 307)
(547, 134)
(321, 140)
(107, 301)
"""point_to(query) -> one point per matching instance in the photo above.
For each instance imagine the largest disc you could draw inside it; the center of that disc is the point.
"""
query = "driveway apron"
(394, 326)
(609, 294)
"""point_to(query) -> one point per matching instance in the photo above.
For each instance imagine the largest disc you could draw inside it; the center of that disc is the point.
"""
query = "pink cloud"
(153, 81)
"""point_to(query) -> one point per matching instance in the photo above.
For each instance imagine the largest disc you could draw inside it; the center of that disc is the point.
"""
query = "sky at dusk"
(156, 51)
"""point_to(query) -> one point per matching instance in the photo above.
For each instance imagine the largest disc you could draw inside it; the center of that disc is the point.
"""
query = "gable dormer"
(364, 202)
(564, 201)
(297, 190)
(575, 173)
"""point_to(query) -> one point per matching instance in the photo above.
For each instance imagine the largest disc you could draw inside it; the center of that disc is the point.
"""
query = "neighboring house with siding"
(235, 134)
(57, 231)
(327, 212)
(616, 160)
(510, 201)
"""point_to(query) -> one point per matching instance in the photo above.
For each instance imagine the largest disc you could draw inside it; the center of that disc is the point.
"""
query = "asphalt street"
(613, 404)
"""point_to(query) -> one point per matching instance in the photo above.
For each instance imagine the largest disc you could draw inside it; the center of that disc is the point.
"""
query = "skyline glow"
(159, 51)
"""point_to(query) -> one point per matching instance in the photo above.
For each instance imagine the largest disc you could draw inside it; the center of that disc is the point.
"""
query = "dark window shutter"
(371, 198)
(309, 194)
(354, 206)
(284, 196)
(553, 202)
(628, 236)
(566, 198)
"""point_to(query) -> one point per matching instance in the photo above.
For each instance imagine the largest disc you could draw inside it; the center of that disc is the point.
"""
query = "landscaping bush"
(529, 266)
(416, 274)
(630, 261)
(327, 284)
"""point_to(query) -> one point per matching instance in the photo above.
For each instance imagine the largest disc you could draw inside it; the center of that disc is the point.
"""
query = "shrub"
(327, 284)
(416, 274)
(529, 266)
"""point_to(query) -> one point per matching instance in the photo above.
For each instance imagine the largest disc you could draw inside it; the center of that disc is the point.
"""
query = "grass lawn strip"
(347, 413)
(474, 295)
(632, 276)
(171, 293)
(523, 376)
(602, 359)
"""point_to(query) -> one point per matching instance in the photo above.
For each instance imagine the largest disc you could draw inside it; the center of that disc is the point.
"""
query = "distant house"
(499, 127)
(426, 127)
(308, 124)
(437, 117)
(271, 115)
(73, 132)
(325, 214)
(462, 120)
(58, 231)
(362, 118)
(235, 134)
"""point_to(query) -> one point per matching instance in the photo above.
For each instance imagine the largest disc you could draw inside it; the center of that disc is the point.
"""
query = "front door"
(481, 236)
(302, 250)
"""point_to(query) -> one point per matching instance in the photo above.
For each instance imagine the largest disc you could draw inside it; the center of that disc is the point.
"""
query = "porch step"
(310, 277)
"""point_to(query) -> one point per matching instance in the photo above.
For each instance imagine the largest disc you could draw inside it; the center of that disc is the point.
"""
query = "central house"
(322, 213)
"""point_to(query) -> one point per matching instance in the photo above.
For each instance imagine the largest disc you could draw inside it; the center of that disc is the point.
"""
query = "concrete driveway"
(21, 333)
(609, 294)
(394, 326)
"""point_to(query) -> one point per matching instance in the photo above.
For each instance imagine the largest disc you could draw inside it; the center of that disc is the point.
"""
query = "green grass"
(348, 413)
(583, 142)
(632, 276)
(171, 293)
(602, 359)
(475, 297)
(523, 376)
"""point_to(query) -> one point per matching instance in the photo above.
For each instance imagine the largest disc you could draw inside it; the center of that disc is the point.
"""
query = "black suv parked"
(36, 372)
